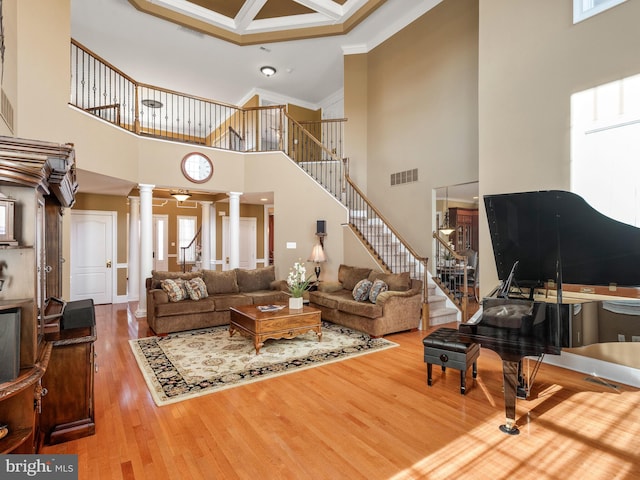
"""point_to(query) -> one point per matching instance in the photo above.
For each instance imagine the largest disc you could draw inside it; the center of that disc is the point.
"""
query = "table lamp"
(317, 256)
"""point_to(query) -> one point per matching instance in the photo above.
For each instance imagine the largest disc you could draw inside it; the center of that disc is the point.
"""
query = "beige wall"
(420, 112)
(43, 69)
(9, 66)
(532, 58)
(355, 253)
(355, 107)
(299, 201)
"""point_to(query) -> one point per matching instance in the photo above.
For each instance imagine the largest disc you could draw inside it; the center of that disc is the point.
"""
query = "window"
(186, 233)
(583, 9)
(605, 147)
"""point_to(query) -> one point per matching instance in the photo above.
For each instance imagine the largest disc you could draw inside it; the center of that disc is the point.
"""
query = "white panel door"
(92, 256)
(248, 245)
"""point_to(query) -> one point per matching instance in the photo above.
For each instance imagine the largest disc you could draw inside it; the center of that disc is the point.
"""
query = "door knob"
(108, 263)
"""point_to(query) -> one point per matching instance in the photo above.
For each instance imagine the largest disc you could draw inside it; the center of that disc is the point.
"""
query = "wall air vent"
(6, 110)
(407, 176)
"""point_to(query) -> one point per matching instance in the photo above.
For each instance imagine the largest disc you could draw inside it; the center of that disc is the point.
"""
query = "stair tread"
(438, 312)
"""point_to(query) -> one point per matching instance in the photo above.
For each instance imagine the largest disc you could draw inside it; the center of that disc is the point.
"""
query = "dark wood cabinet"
(465, 223)
(68, 407)
(39, 178)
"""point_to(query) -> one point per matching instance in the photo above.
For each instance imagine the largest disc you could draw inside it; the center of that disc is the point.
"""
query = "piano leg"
(510, 381)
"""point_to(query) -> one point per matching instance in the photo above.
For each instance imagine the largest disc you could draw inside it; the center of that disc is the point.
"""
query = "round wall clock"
(196, 167)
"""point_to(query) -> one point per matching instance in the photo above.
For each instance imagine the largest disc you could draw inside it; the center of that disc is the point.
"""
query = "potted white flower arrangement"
(298, 283)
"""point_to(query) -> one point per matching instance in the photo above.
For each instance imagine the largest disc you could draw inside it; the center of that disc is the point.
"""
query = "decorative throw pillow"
(377, 288)
(361, 290)
(195, 290)
(200, 285)
(174, 290)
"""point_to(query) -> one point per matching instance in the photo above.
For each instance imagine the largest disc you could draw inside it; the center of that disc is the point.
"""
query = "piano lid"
(538, 228)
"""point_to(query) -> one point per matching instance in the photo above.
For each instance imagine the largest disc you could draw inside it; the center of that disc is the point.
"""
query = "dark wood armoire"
(38, 181)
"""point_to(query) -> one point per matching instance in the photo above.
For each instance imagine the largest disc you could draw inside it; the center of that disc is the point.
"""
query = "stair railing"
(311, 151)
(384, 242)
(190, 250)
(99, 88)
(451, 273)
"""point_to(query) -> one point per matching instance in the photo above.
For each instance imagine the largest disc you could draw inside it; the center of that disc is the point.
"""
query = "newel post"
(425, 295)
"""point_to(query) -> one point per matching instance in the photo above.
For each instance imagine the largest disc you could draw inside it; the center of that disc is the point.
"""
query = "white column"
(213, 243)
(205, 240)
(146, 244)
(133, 267)
(234, 230)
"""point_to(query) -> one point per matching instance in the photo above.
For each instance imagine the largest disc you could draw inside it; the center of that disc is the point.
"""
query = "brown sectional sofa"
(395, 310)
(225, 289)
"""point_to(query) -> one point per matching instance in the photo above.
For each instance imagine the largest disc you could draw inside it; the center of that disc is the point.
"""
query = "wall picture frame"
(7, 212)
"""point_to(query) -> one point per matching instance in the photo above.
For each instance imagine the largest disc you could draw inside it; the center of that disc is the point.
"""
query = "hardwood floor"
(370, 417)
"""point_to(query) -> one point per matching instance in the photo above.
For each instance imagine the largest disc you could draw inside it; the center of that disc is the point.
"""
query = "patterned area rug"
(189, 364)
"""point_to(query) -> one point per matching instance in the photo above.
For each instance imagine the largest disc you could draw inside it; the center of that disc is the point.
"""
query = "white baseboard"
(124, 299)
(596, 368)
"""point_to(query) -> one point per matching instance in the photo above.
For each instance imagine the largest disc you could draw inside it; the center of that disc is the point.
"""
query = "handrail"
(184, 249)
(379, 215)
(451, 273)
(93, 54)
(311, 137)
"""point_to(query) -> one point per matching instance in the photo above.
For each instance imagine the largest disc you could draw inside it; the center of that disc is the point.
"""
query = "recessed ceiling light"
(264, 199)
(148, 102)
(268, 71)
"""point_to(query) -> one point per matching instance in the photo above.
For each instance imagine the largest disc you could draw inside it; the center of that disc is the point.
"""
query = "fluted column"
(205, 241)
(146, 243)
(234, 230)
(133, 262)
(214, 245)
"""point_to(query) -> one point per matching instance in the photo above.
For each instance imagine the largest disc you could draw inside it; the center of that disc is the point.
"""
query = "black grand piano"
(552, 238)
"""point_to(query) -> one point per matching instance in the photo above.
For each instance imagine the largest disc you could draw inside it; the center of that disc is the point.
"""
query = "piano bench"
(444, 347)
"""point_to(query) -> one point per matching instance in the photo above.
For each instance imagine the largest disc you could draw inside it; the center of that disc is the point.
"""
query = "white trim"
(325, 13)
(583, 9)
(124, 299)
(596, 368)
(265, 225)
(386, 31)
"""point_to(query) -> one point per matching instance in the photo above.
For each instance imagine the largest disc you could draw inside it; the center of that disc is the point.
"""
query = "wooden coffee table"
(285, 323)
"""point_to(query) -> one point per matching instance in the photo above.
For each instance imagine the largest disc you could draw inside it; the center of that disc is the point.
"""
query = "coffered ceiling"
(246, 22)
(214, 48)
(183, 46)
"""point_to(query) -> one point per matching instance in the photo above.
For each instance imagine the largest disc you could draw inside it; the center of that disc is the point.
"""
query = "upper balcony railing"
(101, 89)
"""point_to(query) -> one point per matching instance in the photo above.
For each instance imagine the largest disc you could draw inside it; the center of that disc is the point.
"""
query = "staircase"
(385, 244)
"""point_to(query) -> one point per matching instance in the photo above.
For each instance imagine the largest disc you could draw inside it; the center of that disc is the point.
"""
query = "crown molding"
(388, 31)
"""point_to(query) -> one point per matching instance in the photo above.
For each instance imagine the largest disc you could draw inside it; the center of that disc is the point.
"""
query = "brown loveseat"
(394, 310)
(225, 289)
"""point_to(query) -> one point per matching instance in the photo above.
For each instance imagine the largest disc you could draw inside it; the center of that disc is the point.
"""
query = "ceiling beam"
(247, 13)
(325, 7)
